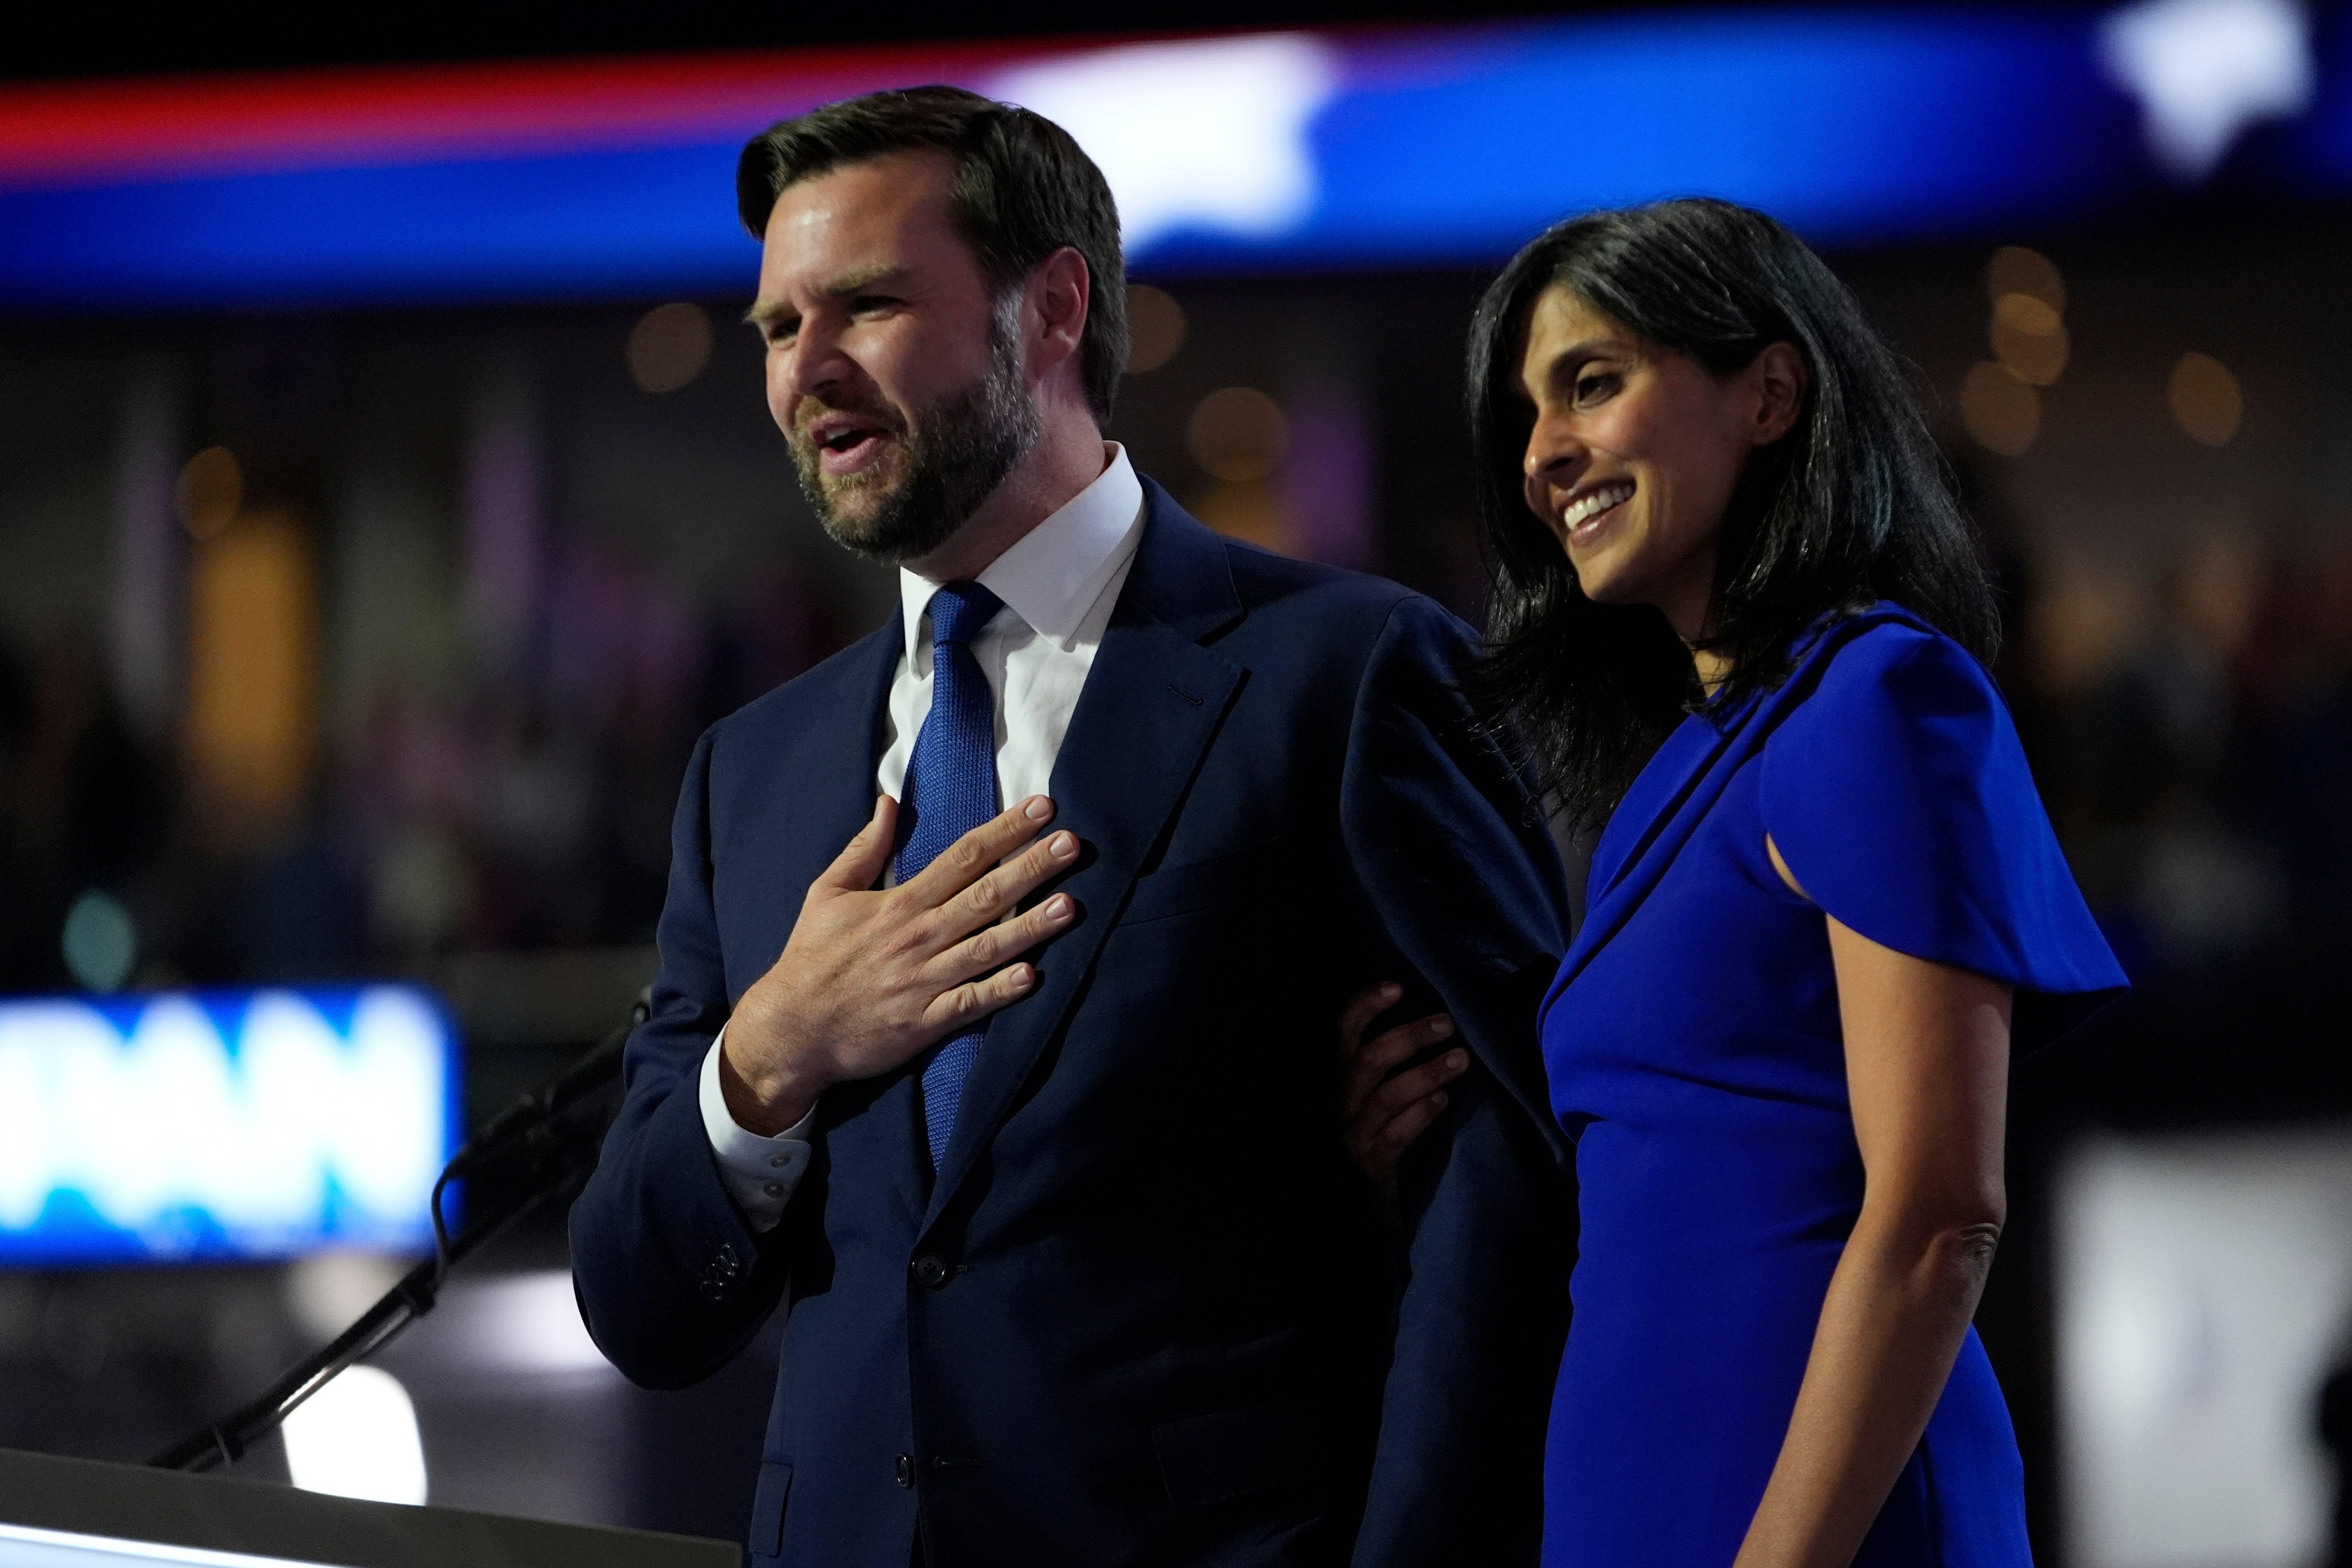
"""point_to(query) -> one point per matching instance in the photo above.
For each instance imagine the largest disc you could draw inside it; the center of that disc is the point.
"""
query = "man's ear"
(1781, 381)
(1060, 292)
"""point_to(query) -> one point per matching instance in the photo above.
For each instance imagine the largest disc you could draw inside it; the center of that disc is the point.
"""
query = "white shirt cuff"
(758, 1173)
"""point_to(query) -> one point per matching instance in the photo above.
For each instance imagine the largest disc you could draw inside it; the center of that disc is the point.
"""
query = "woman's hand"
(1384, 1110)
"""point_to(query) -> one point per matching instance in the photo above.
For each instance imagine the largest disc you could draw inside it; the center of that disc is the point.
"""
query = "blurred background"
(387, 501)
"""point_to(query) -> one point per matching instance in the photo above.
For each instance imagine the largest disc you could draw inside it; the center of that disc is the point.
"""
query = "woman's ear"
(1780, 380)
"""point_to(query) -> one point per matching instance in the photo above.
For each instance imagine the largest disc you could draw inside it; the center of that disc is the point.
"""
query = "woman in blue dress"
(1738, 618)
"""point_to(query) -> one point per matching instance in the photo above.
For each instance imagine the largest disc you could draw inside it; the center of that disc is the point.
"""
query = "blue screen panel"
(1426, 146)
(1847, 126)
(245, 1124)
(2319, 148)
(605, 223)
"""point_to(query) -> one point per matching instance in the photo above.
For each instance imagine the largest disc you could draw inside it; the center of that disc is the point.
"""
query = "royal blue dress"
(1692, 1047)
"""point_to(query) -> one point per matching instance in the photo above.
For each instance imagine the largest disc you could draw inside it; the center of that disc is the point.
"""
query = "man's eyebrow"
(764, 311)
(864, 277)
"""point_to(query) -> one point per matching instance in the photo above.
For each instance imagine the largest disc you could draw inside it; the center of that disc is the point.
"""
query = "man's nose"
(815, 363)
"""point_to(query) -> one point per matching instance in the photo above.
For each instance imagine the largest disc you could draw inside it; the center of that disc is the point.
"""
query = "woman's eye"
(1594, 388)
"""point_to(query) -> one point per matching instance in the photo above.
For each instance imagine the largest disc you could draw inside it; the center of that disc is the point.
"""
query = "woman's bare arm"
(1927, 1055)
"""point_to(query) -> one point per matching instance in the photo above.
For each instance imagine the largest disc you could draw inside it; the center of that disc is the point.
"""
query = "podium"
(79, 1513)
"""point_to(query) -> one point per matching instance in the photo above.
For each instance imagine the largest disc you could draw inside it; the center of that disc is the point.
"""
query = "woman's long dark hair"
(1850, 506)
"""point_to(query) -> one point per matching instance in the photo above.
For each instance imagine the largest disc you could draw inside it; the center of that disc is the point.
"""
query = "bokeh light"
(1238, 434)
(210, 492)
(2017, 270)
(2029, 338)
(253, 654)
(1156, 328)
(669, 346)
(2206, 399)
(100, 943)
(2001, 411)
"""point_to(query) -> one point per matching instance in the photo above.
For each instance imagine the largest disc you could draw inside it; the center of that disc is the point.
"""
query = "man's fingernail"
(1390, 990)
(1440, 1025)
(1062, 846)
(1439, 1099)
(1457, 1060)
(1023, 978)
(1037, 808)
(1057, 908)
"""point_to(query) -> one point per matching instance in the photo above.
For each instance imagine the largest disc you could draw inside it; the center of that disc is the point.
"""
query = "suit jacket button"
(931, 1270)
(906, 1471)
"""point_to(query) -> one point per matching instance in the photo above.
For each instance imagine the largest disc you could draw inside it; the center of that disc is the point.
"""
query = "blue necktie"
(951, 790)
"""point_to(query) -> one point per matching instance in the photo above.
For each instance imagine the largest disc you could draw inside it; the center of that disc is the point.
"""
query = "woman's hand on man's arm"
(1385, 1105)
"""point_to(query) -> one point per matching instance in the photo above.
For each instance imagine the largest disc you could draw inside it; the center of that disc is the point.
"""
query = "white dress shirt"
(1059, 583)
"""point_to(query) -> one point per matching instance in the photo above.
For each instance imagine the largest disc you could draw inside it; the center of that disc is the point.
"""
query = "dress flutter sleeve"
(1898, 795)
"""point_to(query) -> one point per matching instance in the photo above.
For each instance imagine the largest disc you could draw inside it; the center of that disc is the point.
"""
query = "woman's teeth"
(1586, 507)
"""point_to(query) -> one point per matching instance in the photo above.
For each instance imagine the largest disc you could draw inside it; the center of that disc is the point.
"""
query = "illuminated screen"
(24, 1548)
(220, 1124)
(1384, 146)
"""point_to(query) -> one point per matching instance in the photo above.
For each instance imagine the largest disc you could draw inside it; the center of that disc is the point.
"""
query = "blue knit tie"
(951, 790)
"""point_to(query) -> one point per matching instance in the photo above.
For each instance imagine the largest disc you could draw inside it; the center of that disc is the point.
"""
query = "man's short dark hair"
(1021, 189)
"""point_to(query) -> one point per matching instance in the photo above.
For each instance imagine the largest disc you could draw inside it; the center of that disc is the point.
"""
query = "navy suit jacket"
(1147, 1313)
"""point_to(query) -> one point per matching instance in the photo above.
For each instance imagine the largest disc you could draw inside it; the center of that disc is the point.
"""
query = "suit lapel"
(830, 773)
(821, 774)
(840, 779)
(1153, 701)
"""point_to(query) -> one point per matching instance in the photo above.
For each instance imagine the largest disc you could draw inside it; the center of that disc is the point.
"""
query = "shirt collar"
(1053, 574)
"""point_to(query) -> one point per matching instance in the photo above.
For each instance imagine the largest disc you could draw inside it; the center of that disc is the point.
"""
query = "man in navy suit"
(1024, 1104)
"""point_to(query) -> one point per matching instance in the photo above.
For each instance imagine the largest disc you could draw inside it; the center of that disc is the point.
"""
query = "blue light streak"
(1432, 147)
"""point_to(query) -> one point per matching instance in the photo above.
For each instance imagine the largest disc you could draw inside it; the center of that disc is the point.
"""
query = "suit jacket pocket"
(1231, 1454)
(1203, 884)
(767, 1536)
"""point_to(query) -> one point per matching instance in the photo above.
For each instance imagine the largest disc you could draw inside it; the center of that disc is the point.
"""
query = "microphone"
(555, 1132)
(552, 1109)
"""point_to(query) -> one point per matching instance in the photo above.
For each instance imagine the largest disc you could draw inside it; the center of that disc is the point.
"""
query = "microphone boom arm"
(542, 1143)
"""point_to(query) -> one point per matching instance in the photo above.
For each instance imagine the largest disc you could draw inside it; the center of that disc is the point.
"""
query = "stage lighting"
(263, 1124)
(357, 1438)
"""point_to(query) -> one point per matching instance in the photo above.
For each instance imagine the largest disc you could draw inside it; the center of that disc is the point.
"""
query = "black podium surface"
(79, 1513)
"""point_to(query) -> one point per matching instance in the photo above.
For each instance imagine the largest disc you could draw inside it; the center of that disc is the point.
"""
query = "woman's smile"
(1591, 509)
(1634, 453)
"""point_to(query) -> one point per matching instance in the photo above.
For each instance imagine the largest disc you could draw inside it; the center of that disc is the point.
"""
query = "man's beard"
(956, 453)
